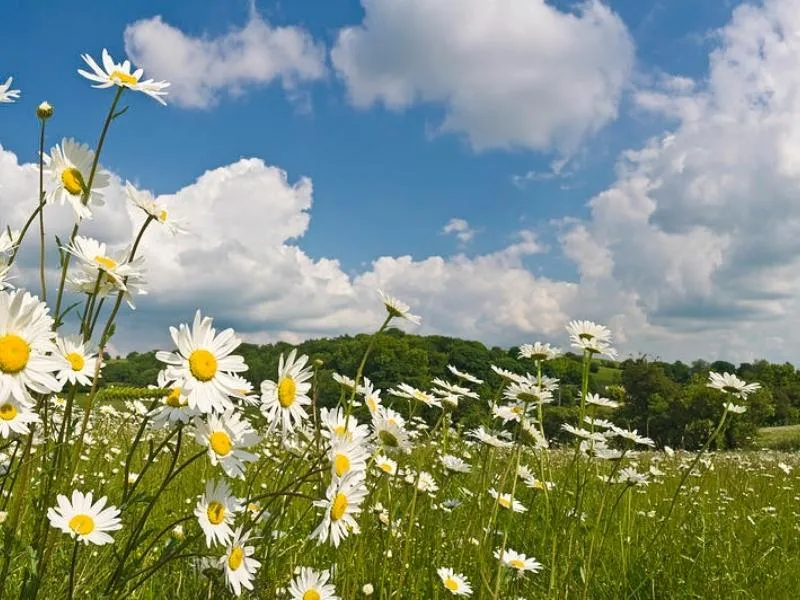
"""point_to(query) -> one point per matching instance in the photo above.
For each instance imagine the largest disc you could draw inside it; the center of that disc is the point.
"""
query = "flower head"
(397, 308)
(455, 583)
(7, 95)
(85, 521)
(68, 168)
(119, 74)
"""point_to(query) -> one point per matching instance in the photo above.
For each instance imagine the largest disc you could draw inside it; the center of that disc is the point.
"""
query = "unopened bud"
(44, 111)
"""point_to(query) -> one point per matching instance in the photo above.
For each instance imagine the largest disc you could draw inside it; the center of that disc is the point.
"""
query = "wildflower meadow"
(207, 485)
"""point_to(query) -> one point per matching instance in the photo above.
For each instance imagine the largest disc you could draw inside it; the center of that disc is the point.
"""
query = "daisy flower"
(225, 436)
(96, 259)
(336, 426)
(27, 351)
(586, 330)
(465, 376)
(342, 501)
(454, 582)
(146, 202)
(84, 281)
(312, 585)
(506, 501)
(396, 308)
(8, 240)
(520, 562)
(597, 400)
(445, 388)
(346, 382)
(348, 457)
(239, 564)
(174, 407)
(731, 384)
(7, 95)
(455, 464)
(80, 366)
(538, 351)
(508, 375)
(282, 402)
(404, 390)
(83, 520)
(386, 464)
(120, 75)
(15, 417)
(215, 511)
(204, 364)
(487, 438)
(372, 397)
(389, 431)
(67, 171)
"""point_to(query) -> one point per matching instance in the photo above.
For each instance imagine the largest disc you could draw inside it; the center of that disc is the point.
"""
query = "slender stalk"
(87, 194)
(360, 370)
(74, 561)
(41, 210)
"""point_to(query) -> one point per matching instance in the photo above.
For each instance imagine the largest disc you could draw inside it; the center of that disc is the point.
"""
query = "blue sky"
(387, 180)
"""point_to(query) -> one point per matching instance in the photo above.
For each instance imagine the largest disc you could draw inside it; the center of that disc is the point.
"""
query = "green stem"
(86, 195)
(41, 210)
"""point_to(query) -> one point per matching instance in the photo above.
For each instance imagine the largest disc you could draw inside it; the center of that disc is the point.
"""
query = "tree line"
(669, 402)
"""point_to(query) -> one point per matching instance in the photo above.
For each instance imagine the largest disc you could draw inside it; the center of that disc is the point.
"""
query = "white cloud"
(241, 263)
(461, 229)
(200, 68)
(702, 227)
(509, 73)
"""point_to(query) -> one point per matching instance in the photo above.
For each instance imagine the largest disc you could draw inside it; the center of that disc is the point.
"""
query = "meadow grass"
(783, 437)
(733, 533)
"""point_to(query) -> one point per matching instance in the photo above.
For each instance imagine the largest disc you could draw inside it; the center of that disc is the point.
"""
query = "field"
(732, 534)
(786, 437)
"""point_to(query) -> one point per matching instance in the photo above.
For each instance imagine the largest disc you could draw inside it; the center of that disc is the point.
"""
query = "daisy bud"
(44, 111)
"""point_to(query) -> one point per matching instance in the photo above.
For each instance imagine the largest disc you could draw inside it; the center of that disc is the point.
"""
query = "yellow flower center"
(162, 216)
(203, 365)
(8, 411)
(339, 430)
(236, 558)
(516, 563)
(341, 464)
(109, 264)
(504, 502)
(174, 398)
(287, 389)
(517, 410)
(311, 595)
(451, 584)
(373, 406)
(123, 78)
(76, 361)
(253, 507)
(14, 353)
(220, 443)
(386, 467)
(338, 507)
(216, 512)
(82, 524)
(72, 180)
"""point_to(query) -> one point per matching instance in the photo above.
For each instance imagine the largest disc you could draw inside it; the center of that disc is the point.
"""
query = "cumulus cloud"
(461, 229)
(701, 227)
(242, 263)
(201, 68)
(510, 73)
